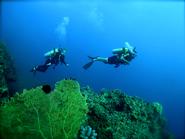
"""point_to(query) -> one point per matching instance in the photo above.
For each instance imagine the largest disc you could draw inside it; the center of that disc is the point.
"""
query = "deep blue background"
(156, 29)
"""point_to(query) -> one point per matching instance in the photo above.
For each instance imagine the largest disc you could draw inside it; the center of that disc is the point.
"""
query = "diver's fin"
(92, 58)
(86, 66)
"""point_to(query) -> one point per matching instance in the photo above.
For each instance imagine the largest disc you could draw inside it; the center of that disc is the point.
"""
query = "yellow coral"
(34, 114)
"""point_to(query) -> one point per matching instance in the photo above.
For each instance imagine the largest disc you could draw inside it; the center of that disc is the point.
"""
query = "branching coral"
(87, 132)
(34, 114)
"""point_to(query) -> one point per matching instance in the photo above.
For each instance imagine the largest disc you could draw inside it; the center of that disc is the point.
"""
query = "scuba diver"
(53, 57)
(121, 56)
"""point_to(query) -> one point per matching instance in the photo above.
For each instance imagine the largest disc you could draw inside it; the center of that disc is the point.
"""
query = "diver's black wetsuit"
(114, 60)
(41, 68)
(117, 60)
(49, 62)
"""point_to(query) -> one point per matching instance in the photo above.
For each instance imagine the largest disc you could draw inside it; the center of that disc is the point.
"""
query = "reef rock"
(7, 72)
(115, 115)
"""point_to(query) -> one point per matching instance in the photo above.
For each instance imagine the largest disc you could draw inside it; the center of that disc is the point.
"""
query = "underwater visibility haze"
(29, 29)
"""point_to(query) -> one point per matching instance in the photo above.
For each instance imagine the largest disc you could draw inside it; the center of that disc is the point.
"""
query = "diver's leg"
(93, 59)
(101, 59)
(48, 61)
(42, 68)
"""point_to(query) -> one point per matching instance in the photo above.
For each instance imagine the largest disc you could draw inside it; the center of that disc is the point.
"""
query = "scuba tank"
(122, 50)
(118, 51)
(52, 52)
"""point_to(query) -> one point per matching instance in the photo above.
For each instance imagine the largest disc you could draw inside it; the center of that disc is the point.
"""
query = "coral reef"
(68, 112)
(37, 114)
(115, 115)
(7, 72)
(87, 133)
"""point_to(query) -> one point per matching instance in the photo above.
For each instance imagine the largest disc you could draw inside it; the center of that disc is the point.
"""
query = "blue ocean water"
(94, 28)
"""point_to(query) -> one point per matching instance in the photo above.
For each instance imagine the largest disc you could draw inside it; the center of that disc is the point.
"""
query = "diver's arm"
(126, 61)
(62, 60)
(123, 58)
(125, 55)
(66, 64)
